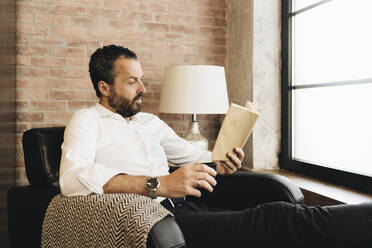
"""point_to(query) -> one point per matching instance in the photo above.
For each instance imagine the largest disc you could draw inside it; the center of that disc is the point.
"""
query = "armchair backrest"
(42, 155)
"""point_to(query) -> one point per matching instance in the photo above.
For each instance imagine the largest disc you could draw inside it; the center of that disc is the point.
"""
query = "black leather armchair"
(42, 152)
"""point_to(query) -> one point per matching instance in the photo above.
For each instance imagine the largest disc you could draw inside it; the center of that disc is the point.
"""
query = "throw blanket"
(109, 220)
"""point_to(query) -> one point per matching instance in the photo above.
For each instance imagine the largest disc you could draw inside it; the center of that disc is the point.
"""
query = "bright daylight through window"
(332, 84)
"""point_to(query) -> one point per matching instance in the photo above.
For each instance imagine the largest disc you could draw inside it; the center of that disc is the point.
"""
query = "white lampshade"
(194, 89)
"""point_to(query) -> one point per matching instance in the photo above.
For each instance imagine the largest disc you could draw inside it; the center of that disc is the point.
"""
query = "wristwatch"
(152, 184)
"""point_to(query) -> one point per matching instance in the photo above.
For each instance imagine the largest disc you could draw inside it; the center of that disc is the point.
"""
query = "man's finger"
(206, 168)
(205, 177)
(229, 166)
(194, 192)
(204, 184)
(239, 152)
(234, 159)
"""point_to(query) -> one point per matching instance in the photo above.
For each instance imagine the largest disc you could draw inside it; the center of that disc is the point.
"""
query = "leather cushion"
(42, 154)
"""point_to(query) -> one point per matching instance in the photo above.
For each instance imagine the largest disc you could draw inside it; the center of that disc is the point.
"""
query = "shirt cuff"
(96, 177)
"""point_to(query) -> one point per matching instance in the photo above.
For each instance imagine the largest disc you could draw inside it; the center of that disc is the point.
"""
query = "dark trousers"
(276, 224)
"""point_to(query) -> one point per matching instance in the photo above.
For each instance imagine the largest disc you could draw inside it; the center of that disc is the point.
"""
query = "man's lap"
(276, 224)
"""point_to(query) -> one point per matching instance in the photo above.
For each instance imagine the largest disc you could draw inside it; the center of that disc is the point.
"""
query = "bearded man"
(112, 147)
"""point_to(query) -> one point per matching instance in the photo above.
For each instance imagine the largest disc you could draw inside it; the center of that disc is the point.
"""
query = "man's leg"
(280, 224)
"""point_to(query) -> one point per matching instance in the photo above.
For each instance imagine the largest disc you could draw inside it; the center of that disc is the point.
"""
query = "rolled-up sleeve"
(180, 152)
(79, 174)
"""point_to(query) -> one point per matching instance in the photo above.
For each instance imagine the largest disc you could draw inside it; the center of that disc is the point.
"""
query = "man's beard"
(123, 106)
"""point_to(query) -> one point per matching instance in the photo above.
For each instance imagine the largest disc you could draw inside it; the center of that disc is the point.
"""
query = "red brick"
(173, 36)
(68, 52)
(91, 96)
(59, 95)
(129, 44)
(22, 39)
(22, 94)
(79, 42)
(183, 48)
(29, 117)
(150, 46)
(104, 33)
(27, 7)
(120, 24)
(41, 83)
(88, 22)
(110, 13)
(53, 19)
(67, 31)
(21, 105)
(32, 50)
(171, 117)
(38, 94)
(165, 18)
(48, 62)
(181, 28)
(32, 29)
(21, 60)
(121, 4)
(69, 73)
(69, 10)
(75, 105)
(179, 8)
(89, 3)
(155, 65)
(156, 27)
(23, 17)
(33, 72)
(48, 105)
(80, 84)
(57, 117)
(200, 3)
(137, 16)
(78, 62)
(144, 55)
(153, 7)
(46, 41)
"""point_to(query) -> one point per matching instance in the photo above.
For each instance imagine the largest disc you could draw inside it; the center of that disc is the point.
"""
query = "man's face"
(126, 93)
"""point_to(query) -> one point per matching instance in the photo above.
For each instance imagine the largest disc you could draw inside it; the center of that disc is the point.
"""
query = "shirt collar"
(104, 112)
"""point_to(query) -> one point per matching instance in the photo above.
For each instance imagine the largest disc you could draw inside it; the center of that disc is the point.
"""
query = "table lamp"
(194, 89)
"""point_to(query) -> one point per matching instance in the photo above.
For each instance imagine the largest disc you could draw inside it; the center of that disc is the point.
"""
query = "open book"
(235, 130)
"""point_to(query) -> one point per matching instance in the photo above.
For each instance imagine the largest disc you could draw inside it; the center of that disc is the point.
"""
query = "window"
(327, 90)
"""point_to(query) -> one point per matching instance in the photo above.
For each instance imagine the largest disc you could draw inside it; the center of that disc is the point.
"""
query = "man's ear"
(104, 88)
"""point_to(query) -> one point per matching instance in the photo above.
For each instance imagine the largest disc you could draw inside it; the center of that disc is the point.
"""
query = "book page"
(235, 130)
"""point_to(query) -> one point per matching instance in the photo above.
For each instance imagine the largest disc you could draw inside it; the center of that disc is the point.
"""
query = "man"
(114, 148)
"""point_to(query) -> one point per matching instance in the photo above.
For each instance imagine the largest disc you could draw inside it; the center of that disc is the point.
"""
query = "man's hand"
(235, 163)
(187, 180)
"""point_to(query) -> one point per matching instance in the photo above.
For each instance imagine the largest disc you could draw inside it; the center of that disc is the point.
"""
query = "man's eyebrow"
(136, 77)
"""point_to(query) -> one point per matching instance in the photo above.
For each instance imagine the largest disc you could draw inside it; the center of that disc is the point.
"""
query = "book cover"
(235, 130)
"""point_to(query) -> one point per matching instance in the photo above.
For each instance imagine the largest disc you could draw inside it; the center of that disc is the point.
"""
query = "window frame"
(348, 179)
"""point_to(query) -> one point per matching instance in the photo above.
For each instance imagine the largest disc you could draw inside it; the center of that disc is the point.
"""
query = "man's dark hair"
(101, 64)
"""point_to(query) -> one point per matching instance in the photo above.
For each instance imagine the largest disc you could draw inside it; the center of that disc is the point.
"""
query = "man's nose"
(142, 87)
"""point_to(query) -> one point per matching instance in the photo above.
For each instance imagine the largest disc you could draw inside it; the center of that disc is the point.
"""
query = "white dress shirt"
(99, 144)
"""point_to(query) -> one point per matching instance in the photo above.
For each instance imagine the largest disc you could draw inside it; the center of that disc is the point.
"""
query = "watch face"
(152, 183)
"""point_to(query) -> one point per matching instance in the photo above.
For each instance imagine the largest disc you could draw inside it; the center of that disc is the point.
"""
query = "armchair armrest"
(247, 189)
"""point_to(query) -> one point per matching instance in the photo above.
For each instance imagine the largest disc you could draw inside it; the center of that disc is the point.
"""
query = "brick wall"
(56, 37)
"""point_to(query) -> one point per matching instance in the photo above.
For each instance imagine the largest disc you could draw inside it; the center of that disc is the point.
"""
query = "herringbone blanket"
(109, 220)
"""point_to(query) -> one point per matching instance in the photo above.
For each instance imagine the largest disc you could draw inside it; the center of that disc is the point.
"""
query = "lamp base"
(195, 138)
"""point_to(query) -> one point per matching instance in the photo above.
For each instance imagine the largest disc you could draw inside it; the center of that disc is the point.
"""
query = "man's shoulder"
(84, 113)
(145, 117)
